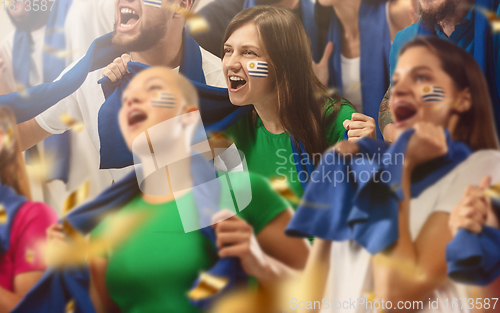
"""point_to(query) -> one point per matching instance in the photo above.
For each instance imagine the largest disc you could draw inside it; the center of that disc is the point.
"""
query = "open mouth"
(135, 117)
(404, 111)
(237, 82)
(128, 17)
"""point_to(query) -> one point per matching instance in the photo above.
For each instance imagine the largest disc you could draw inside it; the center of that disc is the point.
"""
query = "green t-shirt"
(271, 155)
(153, 270)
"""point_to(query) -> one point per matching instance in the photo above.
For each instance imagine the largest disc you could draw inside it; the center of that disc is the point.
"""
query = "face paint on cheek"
(164, 100)
(257, 69)
(152, 3)
(433, 94)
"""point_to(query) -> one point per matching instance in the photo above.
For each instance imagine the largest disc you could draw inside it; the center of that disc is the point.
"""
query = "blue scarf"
(57, 287)
(308, 20)
(365, 207)
(217, 111)
(483, 50)
(375, 48)
(475, 258)
(11, 202)
(57, 145)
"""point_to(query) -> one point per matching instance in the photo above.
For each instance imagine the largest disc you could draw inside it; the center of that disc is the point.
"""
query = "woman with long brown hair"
(22, 222)
(267, 63)
(443, 119)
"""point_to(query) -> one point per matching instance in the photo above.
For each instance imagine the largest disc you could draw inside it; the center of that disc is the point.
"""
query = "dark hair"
(12, 167)
(301, 96)
(476, 126)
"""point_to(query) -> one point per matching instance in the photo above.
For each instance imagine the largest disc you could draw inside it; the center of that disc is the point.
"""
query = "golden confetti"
(39, 169)
(355, 86)
(62, 54)
(326, 93)
(197, 25)
(54, 30)
(70, 307)
(208, 286)
(30, 256)
(492, 18)
(195, 22)
(3, 215)
(493, 191)
(281, 186)
(8, 139)
(23, 91)
(77, 250)
(76, 197)
(402, 266)
(72, 123)
(72, 234)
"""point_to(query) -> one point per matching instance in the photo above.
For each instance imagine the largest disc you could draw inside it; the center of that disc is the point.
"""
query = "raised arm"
(385, 121)
(31, 133)
(268, 256)
(419, 264)
(400, 15)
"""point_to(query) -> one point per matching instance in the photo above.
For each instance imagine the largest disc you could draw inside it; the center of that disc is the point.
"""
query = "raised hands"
(360, 126)
(474, 210)
(116, 70)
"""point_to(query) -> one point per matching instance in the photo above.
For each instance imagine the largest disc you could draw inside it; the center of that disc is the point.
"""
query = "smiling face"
(423, 92)
(244, 46)
(150, 98)
(139, 27)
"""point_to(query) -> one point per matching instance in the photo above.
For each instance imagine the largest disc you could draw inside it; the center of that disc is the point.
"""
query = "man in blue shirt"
(460, 22)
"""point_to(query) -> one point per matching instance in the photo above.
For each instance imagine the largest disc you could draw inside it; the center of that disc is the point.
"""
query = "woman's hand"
(427, 143)
(235, 238)
(474, 210)
(116, 70)
(360, 126)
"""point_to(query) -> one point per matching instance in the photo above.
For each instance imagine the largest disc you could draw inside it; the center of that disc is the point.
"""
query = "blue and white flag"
(153, 3)
(257, 69)
(164, 100)
(432, 94)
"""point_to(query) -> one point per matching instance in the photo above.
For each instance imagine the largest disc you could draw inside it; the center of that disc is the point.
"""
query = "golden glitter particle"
(69, 121)
(8, 139)
(23, 91)
(30, 256)
(208, 286)
(3, 215)
(61, 54)
(76, 197)
(70, 307)
(493, 191)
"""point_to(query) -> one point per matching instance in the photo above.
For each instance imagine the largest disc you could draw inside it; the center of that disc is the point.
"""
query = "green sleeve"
(335, 131)
(265, 205)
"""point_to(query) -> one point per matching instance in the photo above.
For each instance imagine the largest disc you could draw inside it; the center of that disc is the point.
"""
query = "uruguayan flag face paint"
(152, 3)
(433, 94)
(257, 69)
(164, 100)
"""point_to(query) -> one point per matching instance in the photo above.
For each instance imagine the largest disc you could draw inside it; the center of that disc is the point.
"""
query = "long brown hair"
(301, 96)
(12, 168)
(476, 126)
